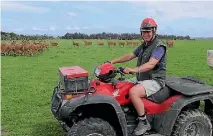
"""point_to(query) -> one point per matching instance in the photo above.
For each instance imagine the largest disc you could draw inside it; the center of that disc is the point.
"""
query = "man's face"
(147, 35)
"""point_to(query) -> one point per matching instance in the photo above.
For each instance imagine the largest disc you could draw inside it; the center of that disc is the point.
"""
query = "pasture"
(27, 81)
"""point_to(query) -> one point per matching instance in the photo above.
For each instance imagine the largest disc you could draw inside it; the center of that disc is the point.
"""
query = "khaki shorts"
(151, 86)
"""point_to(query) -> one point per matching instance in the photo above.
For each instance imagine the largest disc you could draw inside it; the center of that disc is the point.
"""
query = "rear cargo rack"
(75, 92)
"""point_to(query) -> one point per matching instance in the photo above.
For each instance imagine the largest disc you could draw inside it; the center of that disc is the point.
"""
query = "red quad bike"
(102, 107)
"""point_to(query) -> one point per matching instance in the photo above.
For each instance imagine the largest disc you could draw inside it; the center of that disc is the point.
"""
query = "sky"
(59, 17)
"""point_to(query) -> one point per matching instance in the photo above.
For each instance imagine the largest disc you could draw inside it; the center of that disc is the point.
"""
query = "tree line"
(123, 36)
(14, 36)
(103, 35)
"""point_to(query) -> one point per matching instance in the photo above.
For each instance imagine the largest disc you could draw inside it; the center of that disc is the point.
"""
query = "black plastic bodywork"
(187, 87)
(161, 123)
(193, 90)
(67, 107)
(161, 95)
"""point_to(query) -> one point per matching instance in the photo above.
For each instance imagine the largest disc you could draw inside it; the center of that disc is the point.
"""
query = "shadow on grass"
(48, 129)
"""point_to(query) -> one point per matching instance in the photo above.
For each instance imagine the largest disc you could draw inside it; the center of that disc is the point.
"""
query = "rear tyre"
(192, 123)
(92, 127)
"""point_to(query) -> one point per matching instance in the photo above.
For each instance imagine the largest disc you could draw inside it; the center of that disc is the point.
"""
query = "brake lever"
(123, 74)
(122, 69)
(119, 70)
(131, 73)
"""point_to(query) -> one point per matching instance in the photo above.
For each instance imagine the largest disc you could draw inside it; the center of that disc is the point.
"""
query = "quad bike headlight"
(97, 71)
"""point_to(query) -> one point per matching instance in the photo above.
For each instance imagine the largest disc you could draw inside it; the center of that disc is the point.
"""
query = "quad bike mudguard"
(164, 122)
(193, 90)
(70, 106)
(188, 86)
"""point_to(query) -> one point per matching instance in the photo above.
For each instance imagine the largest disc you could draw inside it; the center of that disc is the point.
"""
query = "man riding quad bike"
(151, 70)
(153, 104)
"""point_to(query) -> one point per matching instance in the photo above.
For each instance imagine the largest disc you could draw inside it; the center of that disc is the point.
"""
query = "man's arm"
(148, 66)
(127, 57)
(124, 58)
(155, 58)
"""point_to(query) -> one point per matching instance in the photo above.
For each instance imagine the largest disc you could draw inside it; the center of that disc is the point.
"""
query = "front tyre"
(192, 123)
(92, 127)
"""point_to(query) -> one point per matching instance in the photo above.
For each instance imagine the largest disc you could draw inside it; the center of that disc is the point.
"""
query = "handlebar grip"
(122, 70)
(131, 73)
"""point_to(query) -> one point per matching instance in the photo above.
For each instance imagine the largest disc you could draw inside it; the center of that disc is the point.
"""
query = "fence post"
(210, 58)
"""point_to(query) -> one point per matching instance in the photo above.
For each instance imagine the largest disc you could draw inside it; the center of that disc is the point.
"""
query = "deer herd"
(112, 43)
(25, 47)
(30, 48)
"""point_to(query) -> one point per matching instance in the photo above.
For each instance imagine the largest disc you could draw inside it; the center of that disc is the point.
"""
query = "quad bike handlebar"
(107, 72)
(121, 70)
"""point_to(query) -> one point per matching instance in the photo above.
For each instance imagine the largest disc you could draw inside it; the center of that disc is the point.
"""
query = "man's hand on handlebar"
(129, 70)
(125, 70)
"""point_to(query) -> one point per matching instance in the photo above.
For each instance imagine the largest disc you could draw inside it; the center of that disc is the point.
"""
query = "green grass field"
(27, 82)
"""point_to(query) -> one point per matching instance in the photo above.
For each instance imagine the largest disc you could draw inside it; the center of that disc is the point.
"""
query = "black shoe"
(142, 127)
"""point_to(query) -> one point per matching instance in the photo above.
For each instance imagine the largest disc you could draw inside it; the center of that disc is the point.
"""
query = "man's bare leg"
(135, 94)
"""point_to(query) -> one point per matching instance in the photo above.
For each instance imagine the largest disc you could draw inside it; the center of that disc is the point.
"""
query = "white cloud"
(72, 28)
(170, 10)
(51, 28)
(169, 16)
(80, 28)
(85, 27)
(72, 14)
(20, 7)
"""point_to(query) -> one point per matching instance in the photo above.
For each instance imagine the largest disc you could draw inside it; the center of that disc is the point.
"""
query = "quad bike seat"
(161, 95)
(180, 85)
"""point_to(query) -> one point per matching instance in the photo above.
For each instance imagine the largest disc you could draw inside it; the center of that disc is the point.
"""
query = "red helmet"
(148, 24)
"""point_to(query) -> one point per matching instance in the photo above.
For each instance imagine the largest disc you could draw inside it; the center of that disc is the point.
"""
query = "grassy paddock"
(27, 82)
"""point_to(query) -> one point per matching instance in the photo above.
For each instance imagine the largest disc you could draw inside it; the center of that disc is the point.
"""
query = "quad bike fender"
(166, 120)
(70, 106)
